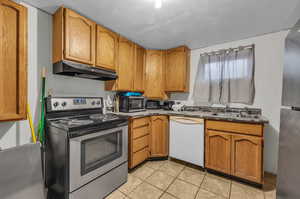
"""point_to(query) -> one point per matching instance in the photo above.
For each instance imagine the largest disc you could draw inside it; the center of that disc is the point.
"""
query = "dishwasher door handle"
(187, 120)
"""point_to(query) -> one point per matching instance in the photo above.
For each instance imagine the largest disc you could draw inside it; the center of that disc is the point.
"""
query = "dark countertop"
(199, 114)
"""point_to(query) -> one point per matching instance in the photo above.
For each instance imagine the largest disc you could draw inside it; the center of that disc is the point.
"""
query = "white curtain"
(225, 77)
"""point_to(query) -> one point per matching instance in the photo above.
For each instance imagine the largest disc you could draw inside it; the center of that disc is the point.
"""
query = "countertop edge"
(208, 117)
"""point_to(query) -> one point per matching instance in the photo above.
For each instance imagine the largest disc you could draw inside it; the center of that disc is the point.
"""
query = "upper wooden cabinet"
(139, 68)
(130, 69)
(126, 65)
(177, 69)
(154, 72)
(13, 61)
(106, 48)
(159, 136)
(73, 37)
(154, 76)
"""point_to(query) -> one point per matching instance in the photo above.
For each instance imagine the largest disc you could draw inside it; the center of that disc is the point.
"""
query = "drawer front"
(140, 132)
(140, 143)
(235, 127)
(140, 122)
(140, 156)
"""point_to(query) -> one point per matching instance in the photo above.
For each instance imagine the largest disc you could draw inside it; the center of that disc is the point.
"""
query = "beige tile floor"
(172, 180)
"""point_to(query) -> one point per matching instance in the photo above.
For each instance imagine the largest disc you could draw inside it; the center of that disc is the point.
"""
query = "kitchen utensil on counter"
(168, 105)
(153, 104)
(178, 106)
(109, 103)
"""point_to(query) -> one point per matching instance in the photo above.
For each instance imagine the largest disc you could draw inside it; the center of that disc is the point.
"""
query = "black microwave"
(130, 104)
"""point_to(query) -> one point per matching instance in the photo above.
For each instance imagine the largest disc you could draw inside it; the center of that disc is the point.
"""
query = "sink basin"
(237, 115)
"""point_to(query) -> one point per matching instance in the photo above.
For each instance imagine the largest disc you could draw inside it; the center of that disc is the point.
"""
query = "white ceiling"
(196, 23)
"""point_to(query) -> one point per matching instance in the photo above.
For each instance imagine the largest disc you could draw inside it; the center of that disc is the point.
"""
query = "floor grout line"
(230, 189)
(176, 177)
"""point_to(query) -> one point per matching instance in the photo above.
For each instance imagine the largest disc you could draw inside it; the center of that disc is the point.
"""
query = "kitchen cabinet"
(217, 151)
(13, 61)
(159, 136)
(125, 68)
(246, 156)
(73, 37)
(139, 69)
(177, 74)
(106, 48)
(235, 149)
(154, 76)
(139, 133)
(148, 138)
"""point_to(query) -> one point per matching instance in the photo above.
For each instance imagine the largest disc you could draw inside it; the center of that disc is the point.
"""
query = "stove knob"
(64, 104)
(55, 104)
(93, 103)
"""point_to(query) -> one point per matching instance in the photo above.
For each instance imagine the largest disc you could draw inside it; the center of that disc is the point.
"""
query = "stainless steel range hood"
(69, 68)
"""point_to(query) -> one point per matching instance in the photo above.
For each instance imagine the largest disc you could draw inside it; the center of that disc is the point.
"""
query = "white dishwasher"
(187, 139)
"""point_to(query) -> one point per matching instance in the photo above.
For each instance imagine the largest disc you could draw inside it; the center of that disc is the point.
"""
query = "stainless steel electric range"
(86, 151)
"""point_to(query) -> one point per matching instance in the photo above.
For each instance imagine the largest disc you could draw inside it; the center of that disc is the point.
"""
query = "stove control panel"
(73, 103)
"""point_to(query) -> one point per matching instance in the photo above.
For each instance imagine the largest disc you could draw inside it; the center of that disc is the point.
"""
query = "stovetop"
(86, 121)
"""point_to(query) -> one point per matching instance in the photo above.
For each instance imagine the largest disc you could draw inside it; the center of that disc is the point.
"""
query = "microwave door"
(136, 104)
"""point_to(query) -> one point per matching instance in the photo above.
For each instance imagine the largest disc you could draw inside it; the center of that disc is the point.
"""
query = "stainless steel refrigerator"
(288, 178)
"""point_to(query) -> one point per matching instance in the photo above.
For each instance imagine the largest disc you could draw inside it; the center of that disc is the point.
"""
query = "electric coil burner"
(86, 150)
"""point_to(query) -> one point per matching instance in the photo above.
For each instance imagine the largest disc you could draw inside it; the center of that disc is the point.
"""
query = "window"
(226, 77)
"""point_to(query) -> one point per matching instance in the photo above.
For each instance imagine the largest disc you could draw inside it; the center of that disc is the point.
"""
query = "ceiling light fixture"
(158, 4)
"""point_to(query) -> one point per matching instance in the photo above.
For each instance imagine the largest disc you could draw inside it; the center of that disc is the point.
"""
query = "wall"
(269, 51)
(39, 56)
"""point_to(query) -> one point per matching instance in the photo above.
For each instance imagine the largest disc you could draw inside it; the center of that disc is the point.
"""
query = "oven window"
(99, 151)
(136, 103)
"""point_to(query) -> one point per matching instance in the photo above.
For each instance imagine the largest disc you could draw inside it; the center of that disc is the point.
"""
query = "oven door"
(95, 154)
(136, 104)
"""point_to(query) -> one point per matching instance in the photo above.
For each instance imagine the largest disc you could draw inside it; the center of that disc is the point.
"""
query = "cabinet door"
(125, 67)
(246, 154)
(159, 136)
(177, 69)
(217, 151)
(139, 62)
(155, 61)
(106, 48)
(13, 61)
(79, 38)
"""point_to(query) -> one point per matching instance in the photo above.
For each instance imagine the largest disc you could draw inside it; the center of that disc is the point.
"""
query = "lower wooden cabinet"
(246, 157)
(139, 131)
(235, 152)
(159, 136)
(217, 151)
(148, 137)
